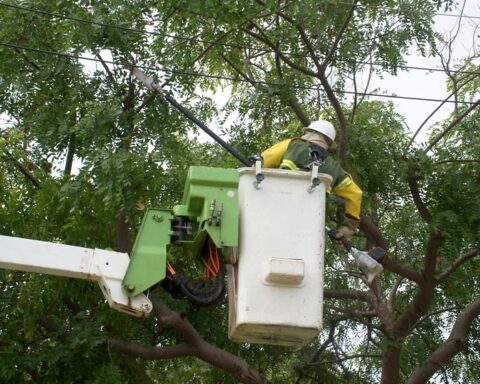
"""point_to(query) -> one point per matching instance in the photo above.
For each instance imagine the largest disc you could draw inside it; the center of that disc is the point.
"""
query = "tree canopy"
(85, 148)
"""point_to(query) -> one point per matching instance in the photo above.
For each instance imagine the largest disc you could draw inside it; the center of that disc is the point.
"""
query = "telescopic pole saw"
(154, 87)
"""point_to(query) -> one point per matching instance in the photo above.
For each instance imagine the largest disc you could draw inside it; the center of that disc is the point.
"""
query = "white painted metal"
(285, 271)
(106, 267)
(276, 289)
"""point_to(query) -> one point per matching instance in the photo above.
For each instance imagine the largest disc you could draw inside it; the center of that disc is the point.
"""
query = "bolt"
(157, 218)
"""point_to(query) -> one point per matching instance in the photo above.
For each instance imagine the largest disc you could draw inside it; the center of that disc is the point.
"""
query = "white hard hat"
(323, 127)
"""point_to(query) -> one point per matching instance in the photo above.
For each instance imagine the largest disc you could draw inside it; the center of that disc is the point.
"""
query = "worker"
(298, 154)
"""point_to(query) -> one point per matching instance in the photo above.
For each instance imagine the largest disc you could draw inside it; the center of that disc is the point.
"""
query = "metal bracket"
(314, 180)
(213, 203)
(259, 176)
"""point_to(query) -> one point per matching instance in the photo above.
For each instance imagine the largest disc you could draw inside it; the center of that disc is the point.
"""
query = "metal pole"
(150, 84)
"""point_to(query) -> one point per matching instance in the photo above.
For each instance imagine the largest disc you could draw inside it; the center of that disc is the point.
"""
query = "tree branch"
(109, 73)
(316, 356)
(301, 31)
(373, 234)
(456, 308)
(348, 294)
(468, 78)
(393, 292)
(193, 345)
(457, 120)
(291, 100)
(415, 191)
(334, 46)
(455, 343)
(262, 38)
(24, 170)
(343, 137)
(455, 265)
(350, 357)
(421, 302)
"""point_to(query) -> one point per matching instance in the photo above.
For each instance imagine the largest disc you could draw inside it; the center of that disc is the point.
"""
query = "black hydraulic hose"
(207, 130)
(201, 293)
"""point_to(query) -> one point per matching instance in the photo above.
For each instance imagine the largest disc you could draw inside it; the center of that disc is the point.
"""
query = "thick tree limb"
(402, 270)
(193, 345)
(455, 265)
(391, 363)
(141, 376)
(424, 295)
(124, 239)
(455, 343)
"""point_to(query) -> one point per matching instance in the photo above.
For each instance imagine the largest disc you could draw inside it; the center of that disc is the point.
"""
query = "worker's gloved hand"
(347, 229)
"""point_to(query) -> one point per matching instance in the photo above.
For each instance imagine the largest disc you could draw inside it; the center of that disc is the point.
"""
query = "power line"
(459, 16)
(210, 42)
(203, 75)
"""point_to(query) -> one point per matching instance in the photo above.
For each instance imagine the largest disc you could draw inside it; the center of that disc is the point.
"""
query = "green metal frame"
(148, 258)
(210, 201)
(205, 185)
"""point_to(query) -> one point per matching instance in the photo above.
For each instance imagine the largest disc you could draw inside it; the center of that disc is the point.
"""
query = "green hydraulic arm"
(209, 209)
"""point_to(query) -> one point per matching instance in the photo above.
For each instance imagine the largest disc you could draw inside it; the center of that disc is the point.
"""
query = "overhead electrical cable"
(210, 42)
(233, 79)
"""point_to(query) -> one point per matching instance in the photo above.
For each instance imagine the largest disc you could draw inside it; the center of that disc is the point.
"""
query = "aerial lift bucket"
(276, 287)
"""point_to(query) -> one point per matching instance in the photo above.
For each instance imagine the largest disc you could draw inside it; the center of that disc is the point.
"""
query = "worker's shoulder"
(298, 142)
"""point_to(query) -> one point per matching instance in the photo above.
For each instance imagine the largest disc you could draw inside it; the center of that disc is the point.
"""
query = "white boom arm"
(106, 267)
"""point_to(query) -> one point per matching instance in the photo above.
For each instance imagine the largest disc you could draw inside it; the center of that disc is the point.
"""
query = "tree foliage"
(85, 148)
